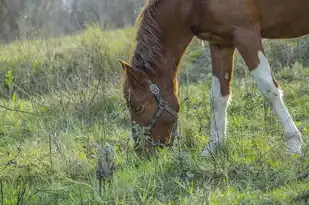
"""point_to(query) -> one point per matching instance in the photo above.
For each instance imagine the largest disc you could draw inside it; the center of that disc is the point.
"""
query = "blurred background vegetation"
(24, 19)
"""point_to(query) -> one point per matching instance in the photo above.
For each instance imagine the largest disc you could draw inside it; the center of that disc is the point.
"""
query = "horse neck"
(162, 39)
(162, 63)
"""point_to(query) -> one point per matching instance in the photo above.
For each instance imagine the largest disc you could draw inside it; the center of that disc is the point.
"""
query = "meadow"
(61, 97)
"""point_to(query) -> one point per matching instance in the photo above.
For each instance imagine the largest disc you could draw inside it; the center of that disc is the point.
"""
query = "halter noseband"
(162, 105)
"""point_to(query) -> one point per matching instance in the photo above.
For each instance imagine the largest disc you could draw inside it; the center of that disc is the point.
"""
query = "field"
(60, 98)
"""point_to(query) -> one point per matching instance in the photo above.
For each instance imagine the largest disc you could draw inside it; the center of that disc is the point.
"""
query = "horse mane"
(149, 51)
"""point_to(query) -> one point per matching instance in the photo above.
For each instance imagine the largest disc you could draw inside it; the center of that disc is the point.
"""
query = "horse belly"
(286, 30)
(284, 18)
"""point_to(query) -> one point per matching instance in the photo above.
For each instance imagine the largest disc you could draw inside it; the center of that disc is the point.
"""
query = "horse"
(164, 30)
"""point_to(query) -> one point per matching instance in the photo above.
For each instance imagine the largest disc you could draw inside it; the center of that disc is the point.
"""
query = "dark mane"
(148, 54)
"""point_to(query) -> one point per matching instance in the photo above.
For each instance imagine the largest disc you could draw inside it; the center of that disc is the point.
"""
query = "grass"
(61, 96)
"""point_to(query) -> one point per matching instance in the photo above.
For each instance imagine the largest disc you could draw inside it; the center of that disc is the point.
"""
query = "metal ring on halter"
(154, 88)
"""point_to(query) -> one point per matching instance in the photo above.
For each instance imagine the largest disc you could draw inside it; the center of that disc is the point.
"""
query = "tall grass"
(61, 97)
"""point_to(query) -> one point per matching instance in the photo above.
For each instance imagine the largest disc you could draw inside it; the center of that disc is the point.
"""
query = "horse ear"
(135, 77)
(125, 66)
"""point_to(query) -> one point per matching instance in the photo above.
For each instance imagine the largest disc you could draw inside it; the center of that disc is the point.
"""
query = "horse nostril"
(133, 136)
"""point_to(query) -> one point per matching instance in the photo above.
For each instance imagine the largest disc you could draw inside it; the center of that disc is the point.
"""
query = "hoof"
(209, 151)
(294, 146)
(214, 149)
(206, 152)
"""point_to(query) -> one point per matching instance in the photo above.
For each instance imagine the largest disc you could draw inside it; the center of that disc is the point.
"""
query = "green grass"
(63, 95)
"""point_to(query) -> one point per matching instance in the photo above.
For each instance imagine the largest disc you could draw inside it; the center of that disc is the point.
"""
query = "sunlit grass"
(48, 132)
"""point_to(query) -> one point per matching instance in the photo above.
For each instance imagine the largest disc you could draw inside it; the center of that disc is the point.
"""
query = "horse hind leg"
(222, 68)
(249, 44)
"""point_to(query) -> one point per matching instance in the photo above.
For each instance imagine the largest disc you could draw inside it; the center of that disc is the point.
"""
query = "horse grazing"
(165, 28)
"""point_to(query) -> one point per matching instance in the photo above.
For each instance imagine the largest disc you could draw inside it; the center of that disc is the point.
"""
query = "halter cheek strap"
(162, 106)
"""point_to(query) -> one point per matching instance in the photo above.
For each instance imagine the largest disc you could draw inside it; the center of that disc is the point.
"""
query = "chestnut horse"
(166, 27)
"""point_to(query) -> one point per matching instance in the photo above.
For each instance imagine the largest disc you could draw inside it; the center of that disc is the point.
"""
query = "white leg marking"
(264, 80)
(218, 120)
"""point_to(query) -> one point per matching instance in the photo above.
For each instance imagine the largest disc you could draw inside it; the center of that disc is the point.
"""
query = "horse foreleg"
(222, 68)
(248, 42)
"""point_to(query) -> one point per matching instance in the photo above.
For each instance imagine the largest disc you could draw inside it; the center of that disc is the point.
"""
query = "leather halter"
(162, 106)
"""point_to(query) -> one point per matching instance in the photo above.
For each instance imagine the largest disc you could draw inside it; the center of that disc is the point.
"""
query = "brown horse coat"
(165, 29)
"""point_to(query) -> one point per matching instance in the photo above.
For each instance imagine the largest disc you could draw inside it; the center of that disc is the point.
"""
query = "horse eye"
(138, 110)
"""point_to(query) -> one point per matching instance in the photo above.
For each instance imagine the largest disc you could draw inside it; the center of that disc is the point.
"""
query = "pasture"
(60, 97)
